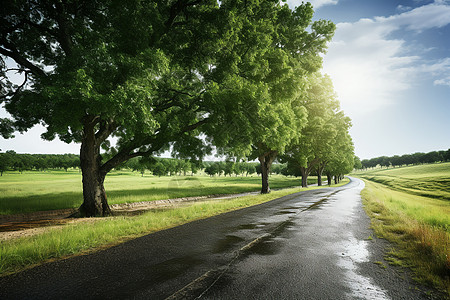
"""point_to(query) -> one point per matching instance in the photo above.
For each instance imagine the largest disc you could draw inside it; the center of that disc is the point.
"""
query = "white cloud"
(402, 8)
(444, 81)
(440, 69)
(369, 68)
(421, 18)
(315, 3)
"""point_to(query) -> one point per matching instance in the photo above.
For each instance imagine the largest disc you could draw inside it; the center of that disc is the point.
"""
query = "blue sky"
(390, 65)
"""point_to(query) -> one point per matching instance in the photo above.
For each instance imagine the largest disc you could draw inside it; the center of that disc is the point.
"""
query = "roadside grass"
(100, 233)
(418, 226)
(38, 191)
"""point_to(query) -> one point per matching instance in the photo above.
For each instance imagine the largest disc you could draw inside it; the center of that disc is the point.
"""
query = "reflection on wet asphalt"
(355, 252)
(311, 253)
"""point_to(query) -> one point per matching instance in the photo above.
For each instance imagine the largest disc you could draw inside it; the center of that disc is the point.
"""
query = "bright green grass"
(418, 225)
(99, 233)
(431, 180)
(38, 191)
(429, 211)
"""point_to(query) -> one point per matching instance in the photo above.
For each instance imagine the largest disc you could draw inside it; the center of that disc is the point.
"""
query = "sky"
(390, 65)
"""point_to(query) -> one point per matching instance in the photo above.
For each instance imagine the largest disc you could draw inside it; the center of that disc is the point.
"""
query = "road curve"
(309, 245)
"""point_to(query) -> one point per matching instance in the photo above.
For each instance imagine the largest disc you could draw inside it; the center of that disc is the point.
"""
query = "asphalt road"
(310, 245)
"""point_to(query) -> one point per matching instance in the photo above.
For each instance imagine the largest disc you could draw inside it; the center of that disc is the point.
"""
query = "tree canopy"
(323, 139)
(159, 75)
(281, 48)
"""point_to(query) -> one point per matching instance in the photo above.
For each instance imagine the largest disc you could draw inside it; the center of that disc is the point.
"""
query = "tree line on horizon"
(403, 160)
(157, 166)
(12, 161)
(185, 76)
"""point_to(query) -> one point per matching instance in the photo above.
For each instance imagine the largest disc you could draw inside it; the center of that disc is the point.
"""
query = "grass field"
(431, 180)
(98, 233)
(410, 207)
(37, 191)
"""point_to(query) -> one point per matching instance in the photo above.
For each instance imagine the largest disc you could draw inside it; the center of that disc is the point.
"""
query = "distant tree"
(357, 165)
(405, 159)
(275, 169)
(6, 162)
(417, 158)
(447, 155)
(212, 169)
(239, 168)
(228, 168)
(250, 169)
(159, 169)
(431, 157)
(196, 166)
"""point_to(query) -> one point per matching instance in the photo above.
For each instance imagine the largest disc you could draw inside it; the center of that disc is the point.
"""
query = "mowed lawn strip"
(99, 233)
(39, 191)
(419, 226)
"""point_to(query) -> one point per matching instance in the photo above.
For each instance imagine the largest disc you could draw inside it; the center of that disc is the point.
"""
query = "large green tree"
(281, 47)
(134, 70)
(313, 149)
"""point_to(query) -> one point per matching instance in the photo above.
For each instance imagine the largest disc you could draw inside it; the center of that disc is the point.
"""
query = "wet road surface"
(310, 245)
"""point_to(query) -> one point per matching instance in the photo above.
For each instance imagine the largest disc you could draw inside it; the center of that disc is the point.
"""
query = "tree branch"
(194, 126)
(106, 128)
(12, 94)
(63, 32)
(41, 28)
(176, 9)
(19, 59)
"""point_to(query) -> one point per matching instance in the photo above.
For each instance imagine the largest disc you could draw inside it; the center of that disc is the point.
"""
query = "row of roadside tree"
(186, 76)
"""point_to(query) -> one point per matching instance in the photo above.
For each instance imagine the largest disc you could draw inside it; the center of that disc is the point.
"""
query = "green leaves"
(325, 140)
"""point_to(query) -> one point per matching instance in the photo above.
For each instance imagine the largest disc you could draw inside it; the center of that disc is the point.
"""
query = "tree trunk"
(305, 174)
(329, 178)
(321, 166)
(336, 179)
(94, 195)
(266, 161)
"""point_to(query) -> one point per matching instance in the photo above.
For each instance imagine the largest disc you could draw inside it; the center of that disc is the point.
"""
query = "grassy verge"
(419, 228)
(99, 233)
(432, 180)
(38, 191)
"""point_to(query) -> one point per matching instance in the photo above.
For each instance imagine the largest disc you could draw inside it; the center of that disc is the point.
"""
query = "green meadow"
(432, 180)
(38, 191)
(410, 207)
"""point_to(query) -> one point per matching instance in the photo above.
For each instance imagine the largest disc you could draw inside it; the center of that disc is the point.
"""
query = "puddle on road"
(226, 243)
(286, 212)
(268, 247)
(354, 252)
(172, 268)
(247, 226)
(291, 207)
(281, 229)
